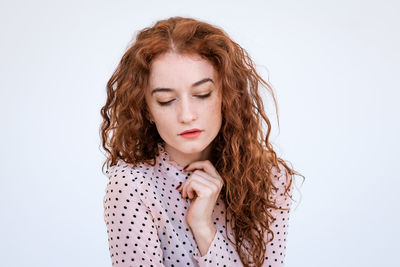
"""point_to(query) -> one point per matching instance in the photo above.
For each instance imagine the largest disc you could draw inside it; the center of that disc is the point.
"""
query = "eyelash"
(168, 102)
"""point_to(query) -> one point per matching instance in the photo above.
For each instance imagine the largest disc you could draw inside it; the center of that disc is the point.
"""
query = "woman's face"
(180, 81)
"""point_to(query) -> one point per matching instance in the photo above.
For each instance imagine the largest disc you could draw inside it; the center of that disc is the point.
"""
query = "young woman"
(192, 179)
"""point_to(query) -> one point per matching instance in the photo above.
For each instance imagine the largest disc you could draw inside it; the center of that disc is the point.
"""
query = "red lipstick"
(192, 133)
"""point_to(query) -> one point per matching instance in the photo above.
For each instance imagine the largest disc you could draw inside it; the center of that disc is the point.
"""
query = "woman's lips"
(190, 131)
(191, 134)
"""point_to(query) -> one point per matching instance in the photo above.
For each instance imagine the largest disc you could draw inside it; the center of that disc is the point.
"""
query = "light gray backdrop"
(334, 66)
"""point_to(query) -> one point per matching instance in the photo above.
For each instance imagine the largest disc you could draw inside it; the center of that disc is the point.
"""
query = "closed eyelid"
(200, 96)
(194, 94)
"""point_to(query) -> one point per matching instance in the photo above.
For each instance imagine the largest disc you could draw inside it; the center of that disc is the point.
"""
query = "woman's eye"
(168, 102)
(165, 103)
(204, 96)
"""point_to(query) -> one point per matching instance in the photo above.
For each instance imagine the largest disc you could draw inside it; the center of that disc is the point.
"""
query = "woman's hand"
(204, 186)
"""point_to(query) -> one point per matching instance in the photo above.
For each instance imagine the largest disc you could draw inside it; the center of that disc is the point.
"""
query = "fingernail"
(178, 186)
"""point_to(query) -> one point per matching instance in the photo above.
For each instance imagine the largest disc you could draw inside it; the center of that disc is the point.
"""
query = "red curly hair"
(241, 154)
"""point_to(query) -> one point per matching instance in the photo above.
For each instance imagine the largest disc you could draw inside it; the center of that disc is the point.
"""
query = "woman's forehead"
(179, 70)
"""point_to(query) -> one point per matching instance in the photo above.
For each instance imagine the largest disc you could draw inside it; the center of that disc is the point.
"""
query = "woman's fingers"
(202, 183)
(204, 180)
(205, 165)
(206, 176)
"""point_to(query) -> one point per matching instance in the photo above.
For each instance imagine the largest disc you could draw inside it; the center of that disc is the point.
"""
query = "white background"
(334, 66)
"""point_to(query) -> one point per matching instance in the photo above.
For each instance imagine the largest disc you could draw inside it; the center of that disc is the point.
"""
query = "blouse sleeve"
(132, 236)
(222, 251)
(275, 251)
(218, 252)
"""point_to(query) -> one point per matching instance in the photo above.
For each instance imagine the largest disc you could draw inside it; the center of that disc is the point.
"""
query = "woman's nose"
(186, 110)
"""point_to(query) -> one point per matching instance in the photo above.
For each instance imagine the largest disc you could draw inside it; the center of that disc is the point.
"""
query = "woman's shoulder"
(282, 181)
(125, 166)
(279, 173)
(127, 173)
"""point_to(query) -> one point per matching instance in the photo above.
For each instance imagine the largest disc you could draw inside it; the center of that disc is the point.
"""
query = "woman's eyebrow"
(158, 89)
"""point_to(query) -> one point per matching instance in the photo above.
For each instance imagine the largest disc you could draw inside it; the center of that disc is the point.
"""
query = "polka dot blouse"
(146, 226)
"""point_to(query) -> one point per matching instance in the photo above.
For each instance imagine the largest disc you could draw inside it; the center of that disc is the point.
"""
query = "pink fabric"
(146, 226)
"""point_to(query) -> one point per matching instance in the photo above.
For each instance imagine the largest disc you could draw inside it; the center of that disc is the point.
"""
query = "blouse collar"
(169, 166)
